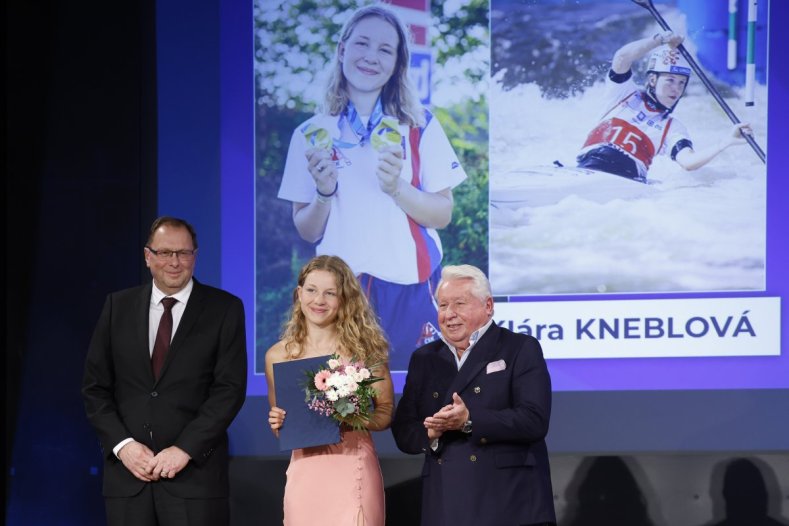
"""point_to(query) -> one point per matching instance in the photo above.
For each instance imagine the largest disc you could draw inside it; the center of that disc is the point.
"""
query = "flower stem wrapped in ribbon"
(343, 391)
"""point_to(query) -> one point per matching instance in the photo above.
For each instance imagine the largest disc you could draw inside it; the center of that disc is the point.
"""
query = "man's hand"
(448, 418)
(136, 457)
(436, 428)
(167, 463)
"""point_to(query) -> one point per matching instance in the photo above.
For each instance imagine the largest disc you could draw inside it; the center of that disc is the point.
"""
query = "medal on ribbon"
(386, 134)
(317, 137)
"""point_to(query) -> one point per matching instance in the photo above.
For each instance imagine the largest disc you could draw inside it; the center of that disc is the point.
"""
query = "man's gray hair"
(480, 287)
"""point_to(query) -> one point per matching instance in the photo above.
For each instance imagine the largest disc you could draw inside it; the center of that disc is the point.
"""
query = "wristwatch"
(466, 427)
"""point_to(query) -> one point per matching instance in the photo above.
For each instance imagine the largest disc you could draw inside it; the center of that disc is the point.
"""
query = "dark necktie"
(163, 335)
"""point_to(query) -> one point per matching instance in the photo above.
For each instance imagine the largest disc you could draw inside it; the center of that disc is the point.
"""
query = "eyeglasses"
(167, 254)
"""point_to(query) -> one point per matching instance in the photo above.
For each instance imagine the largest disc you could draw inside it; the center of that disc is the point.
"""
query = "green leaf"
(344, 407)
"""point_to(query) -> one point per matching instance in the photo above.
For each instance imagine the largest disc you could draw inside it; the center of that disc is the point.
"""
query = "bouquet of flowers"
(342, 391)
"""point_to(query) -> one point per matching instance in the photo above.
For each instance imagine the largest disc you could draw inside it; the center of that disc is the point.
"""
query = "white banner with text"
(669, 328)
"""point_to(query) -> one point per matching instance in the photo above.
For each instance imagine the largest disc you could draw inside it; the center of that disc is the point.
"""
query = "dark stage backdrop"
(118, 112)
(80, 187)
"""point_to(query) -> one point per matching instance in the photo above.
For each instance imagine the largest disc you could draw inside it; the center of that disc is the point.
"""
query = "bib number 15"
(624, 135)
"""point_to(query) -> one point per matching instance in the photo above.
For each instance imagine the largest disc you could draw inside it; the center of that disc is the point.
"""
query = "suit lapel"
(143, 313)
(194, 307)
(481, 355)
(445, 363)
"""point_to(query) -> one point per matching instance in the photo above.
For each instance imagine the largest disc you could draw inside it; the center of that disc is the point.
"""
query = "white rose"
(365, 372)
(334, 380)
(333, 364)
(332, 395)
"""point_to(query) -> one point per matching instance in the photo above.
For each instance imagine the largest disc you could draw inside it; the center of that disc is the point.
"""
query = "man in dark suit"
(164, 379)
(477, 404)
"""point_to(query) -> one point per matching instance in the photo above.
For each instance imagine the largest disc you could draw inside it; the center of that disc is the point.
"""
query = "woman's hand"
(276, 417)
(322, 169)
(737, 134)
(429, 209)
(669, 37)
(390, 164)
(690, 159)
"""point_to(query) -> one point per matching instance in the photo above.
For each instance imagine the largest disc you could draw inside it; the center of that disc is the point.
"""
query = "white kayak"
(547, 185)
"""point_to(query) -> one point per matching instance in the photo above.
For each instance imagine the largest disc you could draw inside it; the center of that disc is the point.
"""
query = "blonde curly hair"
(358, 332)
(398, 96)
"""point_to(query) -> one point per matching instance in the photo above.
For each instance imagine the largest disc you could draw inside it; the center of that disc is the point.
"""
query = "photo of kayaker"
(626, 157)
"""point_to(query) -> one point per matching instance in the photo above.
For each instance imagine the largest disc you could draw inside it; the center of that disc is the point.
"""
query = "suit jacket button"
(473, 458)
(435, 394)
(154, 394)
(477, 390)
(440, 460)
(483, 440)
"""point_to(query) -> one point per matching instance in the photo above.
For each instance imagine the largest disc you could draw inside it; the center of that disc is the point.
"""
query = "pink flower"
(320, 380)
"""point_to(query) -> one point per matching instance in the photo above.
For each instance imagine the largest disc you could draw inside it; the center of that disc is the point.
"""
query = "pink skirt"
(338, 484)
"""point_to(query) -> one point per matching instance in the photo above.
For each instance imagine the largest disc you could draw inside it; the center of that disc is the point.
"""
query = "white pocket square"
(494, 367)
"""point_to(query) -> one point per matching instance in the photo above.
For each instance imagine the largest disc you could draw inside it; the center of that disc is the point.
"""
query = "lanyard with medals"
(380, 130)
(319, 137)
(362, 132)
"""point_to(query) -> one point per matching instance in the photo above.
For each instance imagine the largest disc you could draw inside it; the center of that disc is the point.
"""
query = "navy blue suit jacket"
(499, 474)
(201, 387)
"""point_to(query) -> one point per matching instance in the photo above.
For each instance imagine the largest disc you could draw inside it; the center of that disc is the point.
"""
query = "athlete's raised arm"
(629, 53)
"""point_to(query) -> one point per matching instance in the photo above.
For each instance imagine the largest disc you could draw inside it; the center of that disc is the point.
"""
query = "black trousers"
(155, 506)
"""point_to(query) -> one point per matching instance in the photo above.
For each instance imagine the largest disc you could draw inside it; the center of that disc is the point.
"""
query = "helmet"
(667, 59)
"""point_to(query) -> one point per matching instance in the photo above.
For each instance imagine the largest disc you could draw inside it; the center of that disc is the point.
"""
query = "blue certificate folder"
(303, 427)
